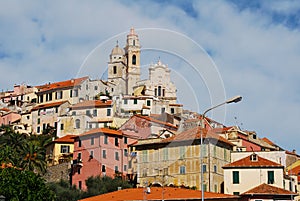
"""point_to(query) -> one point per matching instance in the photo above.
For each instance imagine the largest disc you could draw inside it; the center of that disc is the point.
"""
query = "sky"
(215, 50)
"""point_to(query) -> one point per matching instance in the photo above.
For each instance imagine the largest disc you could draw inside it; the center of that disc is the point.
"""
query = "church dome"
(117, 51)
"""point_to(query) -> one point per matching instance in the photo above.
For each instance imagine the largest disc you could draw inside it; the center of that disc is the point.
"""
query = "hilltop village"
(137, 130)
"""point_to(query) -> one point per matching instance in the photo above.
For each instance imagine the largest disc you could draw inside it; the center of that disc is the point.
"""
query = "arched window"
(115, 69)
(77, 123)
(133, 59)
(159, 91)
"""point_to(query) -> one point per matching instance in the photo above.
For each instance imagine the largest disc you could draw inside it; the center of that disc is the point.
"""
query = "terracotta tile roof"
(247, 162)
(102, 130)
(265, 189)
(156, 194)
(61, 85)
(177, 105)
(65, 139)
(268, 141)
(92, 104)
(5, 109)
(292, 153)
(195, 133)
(48, 105)
(156, 121)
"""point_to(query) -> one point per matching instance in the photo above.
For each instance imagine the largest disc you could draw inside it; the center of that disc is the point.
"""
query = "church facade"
(154, 95)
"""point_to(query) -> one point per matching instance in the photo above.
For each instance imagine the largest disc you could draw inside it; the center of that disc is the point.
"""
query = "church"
(155, 95)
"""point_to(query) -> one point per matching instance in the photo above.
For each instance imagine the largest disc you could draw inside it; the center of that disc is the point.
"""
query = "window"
(73, 113)
(125, 152)
(145, 156)
(125, 101)
(61, 126)
(71, 93)
(78, 170)
(125, 168)
(117, 156)
(103, 169)
(88, 112)
(204, 187)
(172, 110)
(79, 143)
(133, 59)
(159, 91)
(215, 169)
(95, 113)
(204, 168)
(64, 149)
(38, 129)
(182, 169)
(104, 153)
(79, 156)
(235, 177)
(253, 157)
(165, 154)
(236, 193)
(163, 110)
(182, 152)
(135, 101)
(41, 98)
(80, 184)
(115, 69)
(76, 92)
(38, 120)
(155, 92)
(59, 95)
(125, 140)
(108, 112)
(148, 102)
(50, 97)
(270, 177)
(92, 140)
(87, 87)
(77, 123)
(116, 141)
(133, 42)
(116, 169)
(163, 92)
(92, 155)
(95, 88)
(105, 139)
(44, 126)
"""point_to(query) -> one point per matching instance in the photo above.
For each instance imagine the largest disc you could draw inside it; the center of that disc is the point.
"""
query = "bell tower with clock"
(132, 53)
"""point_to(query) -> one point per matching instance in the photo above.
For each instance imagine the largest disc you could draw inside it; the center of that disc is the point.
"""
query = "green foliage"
(64, 192)
(100, 185)
(20, 185)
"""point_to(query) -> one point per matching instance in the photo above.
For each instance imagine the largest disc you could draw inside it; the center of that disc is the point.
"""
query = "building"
(251, 171)
(46, 115)
(155, 95)
(265, 192)
(60, 150)
(175, 161)
(85, 116)
(158, 193)
(99, 152)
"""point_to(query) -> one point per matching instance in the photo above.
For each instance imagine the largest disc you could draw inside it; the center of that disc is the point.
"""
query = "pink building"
(100, 151)
(9, 117)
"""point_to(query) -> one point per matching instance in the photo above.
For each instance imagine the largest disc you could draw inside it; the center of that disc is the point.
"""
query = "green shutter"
(235, 178)
(270, 177)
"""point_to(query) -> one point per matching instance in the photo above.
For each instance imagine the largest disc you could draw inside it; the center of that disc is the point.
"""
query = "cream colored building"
(251, 171)
(175, 161)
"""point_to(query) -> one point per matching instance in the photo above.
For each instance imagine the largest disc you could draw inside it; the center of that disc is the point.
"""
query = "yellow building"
(175, 161)
(60, 150)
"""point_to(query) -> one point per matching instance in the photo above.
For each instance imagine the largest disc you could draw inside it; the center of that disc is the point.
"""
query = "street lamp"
(231, 100)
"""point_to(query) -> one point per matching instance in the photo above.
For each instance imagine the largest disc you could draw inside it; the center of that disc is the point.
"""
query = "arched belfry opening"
(133, 59)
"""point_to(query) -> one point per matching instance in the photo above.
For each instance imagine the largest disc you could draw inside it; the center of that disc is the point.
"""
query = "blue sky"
(254, 45)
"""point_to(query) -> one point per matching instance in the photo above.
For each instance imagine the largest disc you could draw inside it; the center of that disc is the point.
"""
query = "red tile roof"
(247, 162)
(265, 189)
(195, 133)
(5, 109)
(92, 104)
(48, 105)
(62, 84)
(102, 130)
(65, 139)
(268, 141)
(156, 194)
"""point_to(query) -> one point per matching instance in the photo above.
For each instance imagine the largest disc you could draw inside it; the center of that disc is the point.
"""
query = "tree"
(100, 185)
(64, 192)
(16, 184)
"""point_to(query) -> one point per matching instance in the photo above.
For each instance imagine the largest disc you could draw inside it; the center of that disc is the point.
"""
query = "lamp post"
(231, 100)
